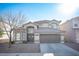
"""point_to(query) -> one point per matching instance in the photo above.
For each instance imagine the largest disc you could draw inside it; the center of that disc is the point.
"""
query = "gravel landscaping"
(20, 48)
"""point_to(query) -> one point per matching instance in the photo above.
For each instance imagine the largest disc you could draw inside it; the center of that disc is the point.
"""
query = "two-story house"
(45, 31)
(71, 28)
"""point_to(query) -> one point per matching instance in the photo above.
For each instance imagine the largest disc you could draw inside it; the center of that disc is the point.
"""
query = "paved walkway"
(58, 49)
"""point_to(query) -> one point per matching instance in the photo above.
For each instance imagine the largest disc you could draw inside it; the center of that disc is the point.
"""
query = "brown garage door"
(49, 38)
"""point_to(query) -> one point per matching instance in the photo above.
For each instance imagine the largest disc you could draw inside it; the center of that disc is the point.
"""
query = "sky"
(42, 11)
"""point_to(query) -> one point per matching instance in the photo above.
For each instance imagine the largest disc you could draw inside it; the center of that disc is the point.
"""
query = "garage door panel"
(49, 38)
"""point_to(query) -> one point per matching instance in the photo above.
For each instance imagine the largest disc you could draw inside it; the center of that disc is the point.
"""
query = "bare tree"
(13, 21)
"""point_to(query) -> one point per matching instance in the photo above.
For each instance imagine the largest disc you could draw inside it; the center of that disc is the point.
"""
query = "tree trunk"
(10, 40)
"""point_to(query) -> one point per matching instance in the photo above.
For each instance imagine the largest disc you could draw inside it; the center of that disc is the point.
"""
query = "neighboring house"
(71, 28)
(45, 31)
(2, 27)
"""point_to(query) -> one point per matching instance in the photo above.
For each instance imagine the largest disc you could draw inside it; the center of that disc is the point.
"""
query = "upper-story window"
(76, 25)
(44, 25)
(30, 30)
(54, 26)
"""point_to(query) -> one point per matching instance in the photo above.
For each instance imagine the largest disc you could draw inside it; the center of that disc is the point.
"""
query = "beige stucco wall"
(44, 25)
(62, 38)
(36, 38)
(69, 31)
(49, 25)
(75, 21)
(77, 35)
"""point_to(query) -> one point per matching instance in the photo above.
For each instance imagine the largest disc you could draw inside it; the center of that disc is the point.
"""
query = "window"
(30, 30)
(44, 25)
(54, 26)
(18, 36)
(76, 25)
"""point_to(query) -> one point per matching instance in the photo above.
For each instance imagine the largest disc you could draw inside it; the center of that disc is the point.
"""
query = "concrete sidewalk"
(21, 54)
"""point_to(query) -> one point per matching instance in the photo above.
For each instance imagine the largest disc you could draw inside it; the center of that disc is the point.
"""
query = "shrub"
(12, 42)
(24, 41)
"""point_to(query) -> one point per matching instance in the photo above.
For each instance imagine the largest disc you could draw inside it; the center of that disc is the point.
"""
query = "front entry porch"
(30, 37)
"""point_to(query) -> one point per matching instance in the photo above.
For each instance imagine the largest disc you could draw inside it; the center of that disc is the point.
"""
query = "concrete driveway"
(58, 49)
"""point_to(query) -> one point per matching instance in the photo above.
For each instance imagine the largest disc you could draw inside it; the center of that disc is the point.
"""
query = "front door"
(30, 37)
(30, 34)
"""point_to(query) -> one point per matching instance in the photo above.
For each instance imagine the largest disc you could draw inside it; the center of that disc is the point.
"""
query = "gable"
(43, 24)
